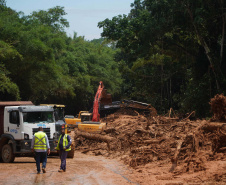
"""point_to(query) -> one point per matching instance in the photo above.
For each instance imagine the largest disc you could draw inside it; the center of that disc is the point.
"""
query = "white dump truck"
(19, 121)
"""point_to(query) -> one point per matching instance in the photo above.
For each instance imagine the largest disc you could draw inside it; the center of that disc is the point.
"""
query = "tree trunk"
(98, 137)
(205, 46)
(223, 31)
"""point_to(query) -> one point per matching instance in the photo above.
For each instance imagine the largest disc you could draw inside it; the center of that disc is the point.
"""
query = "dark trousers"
(63, 156)
(40, 157)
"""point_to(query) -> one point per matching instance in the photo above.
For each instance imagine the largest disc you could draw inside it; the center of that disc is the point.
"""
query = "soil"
(164, 149)
(137, 148)
(82, 169)
(154, 163)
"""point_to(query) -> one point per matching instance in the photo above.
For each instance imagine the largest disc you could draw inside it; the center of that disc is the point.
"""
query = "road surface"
(82, 170)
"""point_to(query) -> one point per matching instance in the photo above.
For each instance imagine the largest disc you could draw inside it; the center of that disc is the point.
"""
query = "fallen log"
(98, 137)
(139, 130)
(155, 120)
(222, 149)
(110, 130)
(193, 112)
(143, 149)
(150, 141)
(175, 157)
(213, 126)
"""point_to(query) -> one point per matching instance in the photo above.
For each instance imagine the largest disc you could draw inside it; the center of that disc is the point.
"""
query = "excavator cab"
(86, 116)
(88, 125)
(73, 121)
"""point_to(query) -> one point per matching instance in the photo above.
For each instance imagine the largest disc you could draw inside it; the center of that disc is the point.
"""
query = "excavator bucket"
(106, 98)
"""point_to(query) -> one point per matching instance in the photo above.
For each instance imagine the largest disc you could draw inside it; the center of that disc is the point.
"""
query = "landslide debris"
(218, 107)
(138, 140)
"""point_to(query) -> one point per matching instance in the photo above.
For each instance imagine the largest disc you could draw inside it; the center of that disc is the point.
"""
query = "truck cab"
(59, 116)
(18, 124)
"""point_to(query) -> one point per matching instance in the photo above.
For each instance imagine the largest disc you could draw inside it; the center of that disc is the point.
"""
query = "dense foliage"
(172, 52)
(39, 62)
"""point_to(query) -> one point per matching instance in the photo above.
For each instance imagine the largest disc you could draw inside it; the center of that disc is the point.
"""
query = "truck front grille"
(46, 130)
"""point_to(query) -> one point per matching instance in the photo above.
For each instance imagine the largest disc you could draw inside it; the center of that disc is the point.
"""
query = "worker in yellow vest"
(63, 145)
(40, 145)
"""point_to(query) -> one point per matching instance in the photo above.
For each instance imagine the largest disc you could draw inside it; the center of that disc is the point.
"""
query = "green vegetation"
(39, 62)
(170, 53)
(173, 52)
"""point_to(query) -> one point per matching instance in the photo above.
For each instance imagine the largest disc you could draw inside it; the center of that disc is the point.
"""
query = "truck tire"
(7, 154)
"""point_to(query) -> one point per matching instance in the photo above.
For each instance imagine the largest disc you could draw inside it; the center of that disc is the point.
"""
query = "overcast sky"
(82, 15)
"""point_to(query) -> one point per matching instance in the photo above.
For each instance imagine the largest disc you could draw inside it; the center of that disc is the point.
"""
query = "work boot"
(38, 172)
(43, 170)
(60, 170)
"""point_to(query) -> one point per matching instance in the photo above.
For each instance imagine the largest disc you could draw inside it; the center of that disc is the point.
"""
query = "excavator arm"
(96, 115)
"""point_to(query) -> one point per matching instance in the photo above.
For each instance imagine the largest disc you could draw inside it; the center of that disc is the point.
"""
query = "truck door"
(14, 125)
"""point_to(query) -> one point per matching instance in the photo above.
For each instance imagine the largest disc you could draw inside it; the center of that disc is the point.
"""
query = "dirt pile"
(218, 107)
(186, 145)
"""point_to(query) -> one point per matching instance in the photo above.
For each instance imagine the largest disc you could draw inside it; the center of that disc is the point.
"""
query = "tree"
(40, 63)
(169, 45)
(7, 88)
(53, 18)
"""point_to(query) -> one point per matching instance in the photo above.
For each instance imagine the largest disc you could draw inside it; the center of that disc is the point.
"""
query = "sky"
(82, 15)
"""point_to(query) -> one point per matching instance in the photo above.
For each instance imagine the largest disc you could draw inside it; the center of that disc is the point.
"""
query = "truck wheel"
(7, 154)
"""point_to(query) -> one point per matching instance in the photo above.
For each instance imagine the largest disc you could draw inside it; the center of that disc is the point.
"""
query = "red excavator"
(90, 122)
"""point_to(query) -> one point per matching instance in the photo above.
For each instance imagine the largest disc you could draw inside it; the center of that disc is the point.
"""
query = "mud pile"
(218, 107)
(139, 140)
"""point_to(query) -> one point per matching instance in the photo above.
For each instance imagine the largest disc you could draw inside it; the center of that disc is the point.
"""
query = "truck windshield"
(59, 113)
(38, 117)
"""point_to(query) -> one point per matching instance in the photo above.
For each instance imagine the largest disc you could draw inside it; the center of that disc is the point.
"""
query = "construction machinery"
(128, 106)
(59, 116)
(72, 121)
(59, 111)
(90, 122)
(103, 105)
(19, 121)
(140, 107)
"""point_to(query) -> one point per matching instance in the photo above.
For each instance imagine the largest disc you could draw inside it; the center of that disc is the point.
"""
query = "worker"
(63, 145)
(40, 145)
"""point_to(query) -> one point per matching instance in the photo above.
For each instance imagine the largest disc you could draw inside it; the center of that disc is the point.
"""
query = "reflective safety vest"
(40, 141)
(65, 143)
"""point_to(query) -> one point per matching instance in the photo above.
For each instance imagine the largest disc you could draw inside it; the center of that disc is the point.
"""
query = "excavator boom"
(96, 115)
